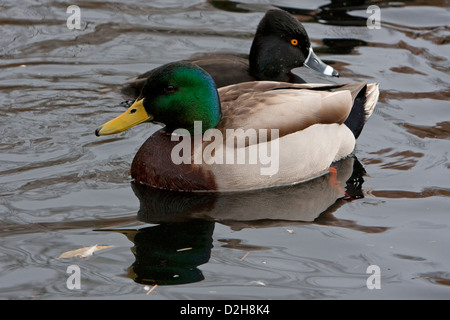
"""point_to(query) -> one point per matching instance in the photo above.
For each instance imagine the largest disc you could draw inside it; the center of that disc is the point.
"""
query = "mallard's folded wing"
(287, 109)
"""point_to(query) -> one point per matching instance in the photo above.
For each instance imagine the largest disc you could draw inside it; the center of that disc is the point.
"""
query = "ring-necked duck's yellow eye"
(294, 42)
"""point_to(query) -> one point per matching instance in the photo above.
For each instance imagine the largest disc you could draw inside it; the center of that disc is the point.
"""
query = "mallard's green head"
(176, 94)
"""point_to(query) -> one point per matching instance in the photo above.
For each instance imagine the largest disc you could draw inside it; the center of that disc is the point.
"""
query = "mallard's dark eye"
(294, 42)
(169, 89)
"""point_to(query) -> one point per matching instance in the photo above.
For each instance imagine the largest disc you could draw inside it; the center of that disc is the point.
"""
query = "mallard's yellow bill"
(135, 115)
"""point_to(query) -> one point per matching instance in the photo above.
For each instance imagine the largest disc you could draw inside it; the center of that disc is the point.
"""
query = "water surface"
(62, 188)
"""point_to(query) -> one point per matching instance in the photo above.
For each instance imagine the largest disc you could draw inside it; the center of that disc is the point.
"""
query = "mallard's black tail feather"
(363, 106)
(365, 97)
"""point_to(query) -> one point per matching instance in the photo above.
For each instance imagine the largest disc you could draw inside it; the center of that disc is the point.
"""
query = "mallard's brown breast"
(153, 165)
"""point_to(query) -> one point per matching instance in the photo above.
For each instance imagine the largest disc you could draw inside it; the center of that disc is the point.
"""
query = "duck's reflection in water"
(171, 251)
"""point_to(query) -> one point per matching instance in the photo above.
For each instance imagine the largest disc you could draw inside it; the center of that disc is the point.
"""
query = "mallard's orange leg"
(335, 183)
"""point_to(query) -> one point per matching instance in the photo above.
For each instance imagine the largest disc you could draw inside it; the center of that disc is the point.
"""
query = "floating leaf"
(82, 252)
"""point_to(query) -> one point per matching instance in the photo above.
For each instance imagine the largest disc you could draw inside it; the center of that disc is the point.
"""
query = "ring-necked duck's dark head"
(281, 44)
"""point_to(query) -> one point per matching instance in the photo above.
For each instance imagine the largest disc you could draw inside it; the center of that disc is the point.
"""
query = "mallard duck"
(281, 44)
(306, 127)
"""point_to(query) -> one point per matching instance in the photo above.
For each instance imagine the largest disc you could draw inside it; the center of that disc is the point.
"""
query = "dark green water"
(62, 188)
